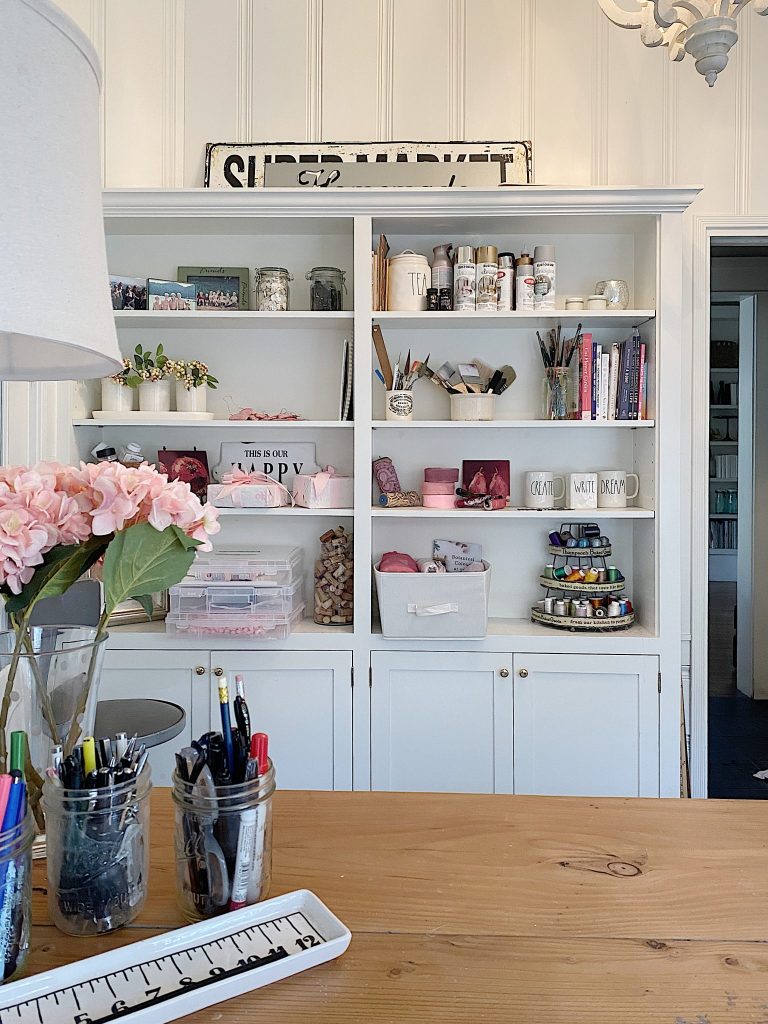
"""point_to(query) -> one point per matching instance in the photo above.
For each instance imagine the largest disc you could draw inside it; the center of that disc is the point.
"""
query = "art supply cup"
(223, 841)
(16, 894)
(473, 408)
(612, 488)
(399, 406)
(556, 396)
(542, 489)
(97, 843)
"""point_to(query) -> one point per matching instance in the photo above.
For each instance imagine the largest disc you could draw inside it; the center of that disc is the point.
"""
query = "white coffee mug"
(612, 488)
(582, 490)
(540, 491)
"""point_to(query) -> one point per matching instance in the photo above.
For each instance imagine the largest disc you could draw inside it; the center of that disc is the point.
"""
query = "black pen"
(242, 714)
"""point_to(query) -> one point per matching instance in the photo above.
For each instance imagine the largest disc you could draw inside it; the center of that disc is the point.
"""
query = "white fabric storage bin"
(433, 606)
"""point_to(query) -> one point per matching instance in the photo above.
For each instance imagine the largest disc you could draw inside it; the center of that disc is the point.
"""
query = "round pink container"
(434, 474)
(438, 501)
(439, 487)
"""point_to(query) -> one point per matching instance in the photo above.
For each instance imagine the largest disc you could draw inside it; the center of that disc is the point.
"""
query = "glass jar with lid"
(326, 289)
(273, 290)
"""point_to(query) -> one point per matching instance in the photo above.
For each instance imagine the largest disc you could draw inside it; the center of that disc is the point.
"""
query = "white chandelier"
(704, 28)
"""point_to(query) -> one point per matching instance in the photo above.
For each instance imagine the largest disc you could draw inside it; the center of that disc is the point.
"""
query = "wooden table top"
(500, 908)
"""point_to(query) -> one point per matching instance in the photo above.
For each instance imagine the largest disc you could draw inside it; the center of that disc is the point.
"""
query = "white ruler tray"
(169, 976)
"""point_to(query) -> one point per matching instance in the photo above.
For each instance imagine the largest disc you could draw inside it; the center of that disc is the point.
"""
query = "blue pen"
(380, 375)
(14, 810)
(226, 726)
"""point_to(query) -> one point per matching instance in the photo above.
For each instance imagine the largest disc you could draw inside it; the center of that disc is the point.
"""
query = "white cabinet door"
(303, 700)
(441, 722)
(586, 725)
(161, 675)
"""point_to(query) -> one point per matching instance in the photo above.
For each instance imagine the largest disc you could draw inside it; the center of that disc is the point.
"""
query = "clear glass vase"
(555, 394)
(50, 679)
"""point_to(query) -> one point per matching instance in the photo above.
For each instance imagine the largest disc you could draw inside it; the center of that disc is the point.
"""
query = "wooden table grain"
(502, 909)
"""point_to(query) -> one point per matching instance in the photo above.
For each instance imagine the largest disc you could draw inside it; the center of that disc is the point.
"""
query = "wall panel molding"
(314, 83)
(98, 36)
(244, 70)
(528, 49)
(385, 86)
(670, 100)
(457, 44)
(743, 149)
(173, 94)
(599, 93)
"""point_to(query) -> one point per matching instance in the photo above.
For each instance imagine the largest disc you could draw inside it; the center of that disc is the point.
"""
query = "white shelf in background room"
(723, 551)
(589, 318)
(239, 425)
(286, 510)
(723, 515)
(569, 514)
(198, 319)
(509, 424)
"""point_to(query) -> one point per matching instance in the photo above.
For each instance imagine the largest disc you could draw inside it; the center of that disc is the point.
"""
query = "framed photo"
(487, 473)
(220, 288)
(170, 296)
(128, 292)
(129, 612)
(191, 467)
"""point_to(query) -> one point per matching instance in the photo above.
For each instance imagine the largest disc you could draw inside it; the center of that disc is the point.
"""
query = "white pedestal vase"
(191, 399)
(116, 397)
(155, 396)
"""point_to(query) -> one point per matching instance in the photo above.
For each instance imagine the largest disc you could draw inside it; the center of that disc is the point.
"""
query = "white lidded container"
(473, 407)
(433, 606)
(408, 277)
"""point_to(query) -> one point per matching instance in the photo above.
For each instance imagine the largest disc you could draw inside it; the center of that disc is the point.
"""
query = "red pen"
(259, 748)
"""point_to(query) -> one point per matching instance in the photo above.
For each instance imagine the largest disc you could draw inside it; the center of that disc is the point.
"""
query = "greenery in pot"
(150, 366)
(127, 377)
(192, 373)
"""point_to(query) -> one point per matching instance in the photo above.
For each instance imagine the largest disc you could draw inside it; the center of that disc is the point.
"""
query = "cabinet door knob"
(503, 672)
(218, 671)
(523, 673)
(199, 670)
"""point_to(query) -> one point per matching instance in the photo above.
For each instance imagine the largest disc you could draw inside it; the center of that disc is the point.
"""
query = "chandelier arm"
(619, 16)
(761, 6)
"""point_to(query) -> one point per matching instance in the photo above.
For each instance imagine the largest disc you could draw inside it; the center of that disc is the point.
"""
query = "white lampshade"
(56, 320)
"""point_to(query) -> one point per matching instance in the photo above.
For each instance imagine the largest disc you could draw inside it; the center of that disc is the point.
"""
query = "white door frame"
(706, 229)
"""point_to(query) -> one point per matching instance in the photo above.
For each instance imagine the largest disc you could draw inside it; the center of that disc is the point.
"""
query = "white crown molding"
(288, 202)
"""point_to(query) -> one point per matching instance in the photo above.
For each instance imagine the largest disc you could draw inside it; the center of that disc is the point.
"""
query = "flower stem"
(75, 728)
(6, 704)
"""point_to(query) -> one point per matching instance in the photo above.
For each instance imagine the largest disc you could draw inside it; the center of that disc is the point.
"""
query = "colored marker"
(226, 726)
(89, 755)
(18, 750)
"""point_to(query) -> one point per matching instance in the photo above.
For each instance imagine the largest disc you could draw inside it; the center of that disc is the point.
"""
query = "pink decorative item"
(439, 487)
(433, 474)
(439, 501)
(251, 414)
(249, 490)
(386, 475)
(396, 561)
(323, 490)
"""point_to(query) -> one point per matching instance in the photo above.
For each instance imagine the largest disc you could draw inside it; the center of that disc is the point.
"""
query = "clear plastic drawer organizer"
(274, 566)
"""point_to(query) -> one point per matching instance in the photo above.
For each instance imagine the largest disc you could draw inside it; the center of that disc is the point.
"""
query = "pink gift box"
(248, 490)
(323, 490)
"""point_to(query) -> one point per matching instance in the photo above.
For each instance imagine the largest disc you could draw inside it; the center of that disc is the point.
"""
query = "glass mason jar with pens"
(222, 788)
(97, 842)
(17, 832)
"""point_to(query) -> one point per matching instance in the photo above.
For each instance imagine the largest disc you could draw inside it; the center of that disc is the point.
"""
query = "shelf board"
(723, 551)
(718, 480)
(723, 515)
(516, 318)
(723, 443)
(307, 635)
(714, 370)
(200, 319)
(220, 424)
(572, 515)
(510, 424)
(723, 408)
(286, 510)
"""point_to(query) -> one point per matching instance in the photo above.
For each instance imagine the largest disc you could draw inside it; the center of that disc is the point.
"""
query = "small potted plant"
(118, 390)
(154, 382)
(192, 381)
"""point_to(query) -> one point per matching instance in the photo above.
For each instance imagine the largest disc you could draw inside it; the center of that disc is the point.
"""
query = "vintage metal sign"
(279, 459)
(230, 165)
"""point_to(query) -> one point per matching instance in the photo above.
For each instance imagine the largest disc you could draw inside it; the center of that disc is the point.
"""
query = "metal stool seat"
(154, 721)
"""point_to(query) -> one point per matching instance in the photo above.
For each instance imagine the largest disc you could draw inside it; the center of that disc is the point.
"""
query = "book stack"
(379, 276)
(725, 467)
(613, 379)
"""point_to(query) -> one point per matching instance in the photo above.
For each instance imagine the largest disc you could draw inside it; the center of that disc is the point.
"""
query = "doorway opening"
(738, 547)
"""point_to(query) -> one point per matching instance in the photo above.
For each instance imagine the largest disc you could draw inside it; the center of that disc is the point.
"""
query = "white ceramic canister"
(190, 399)
(464, 278)
(408, 277)
(155, 395)
(116, 397)
(486, 271)
(505, 280)
(524, 282)
(544, 275)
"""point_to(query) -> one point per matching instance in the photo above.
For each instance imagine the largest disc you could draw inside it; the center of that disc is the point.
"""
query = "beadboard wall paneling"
(494, 70)
(421, 69)
(280, 105)
(213, 52)
(350, 86)
(564, 54)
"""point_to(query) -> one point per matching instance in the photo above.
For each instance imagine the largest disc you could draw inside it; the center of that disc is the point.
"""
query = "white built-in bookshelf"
(293, 360)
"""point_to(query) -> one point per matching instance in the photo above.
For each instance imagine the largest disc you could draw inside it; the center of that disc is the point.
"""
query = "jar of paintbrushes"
(559, 390)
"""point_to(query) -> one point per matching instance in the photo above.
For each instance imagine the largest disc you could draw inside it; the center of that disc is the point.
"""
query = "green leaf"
(62, 566)
(142, 560)
(146, 603)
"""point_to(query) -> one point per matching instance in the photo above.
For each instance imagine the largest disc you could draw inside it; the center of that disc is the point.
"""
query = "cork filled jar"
(334, 579)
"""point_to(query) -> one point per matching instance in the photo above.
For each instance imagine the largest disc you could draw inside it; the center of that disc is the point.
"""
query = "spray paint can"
(486, 271)
(505, 281)
(544, 274)
(442, 266)
(524, 282)
(464, 278)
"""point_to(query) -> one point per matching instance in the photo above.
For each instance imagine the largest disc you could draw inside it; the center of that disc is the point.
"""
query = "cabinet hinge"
(659, 682)
(370, 677)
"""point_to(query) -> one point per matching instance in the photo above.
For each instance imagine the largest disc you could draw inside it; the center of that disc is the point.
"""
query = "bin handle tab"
(432, 609)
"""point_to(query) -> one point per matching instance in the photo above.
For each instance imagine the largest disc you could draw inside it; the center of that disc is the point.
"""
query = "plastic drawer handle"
(432, 609)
